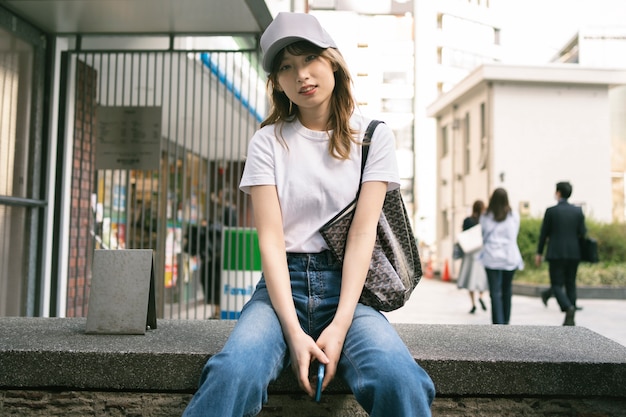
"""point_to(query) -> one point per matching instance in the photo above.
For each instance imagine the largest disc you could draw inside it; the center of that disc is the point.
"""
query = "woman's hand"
(304, 351)
(331, 342)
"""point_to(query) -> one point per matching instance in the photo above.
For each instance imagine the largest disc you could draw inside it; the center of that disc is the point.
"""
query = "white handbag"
(471, 239)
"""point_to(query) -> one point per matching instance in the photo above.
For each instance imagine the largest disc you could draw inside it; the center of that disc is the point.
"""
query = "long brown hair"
(499, 204)
(342, 103)
(477, 209)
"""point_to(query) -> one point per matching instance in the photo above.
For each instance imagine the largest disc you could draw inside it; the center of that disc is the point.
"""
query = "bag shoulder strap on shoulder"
(365, 146)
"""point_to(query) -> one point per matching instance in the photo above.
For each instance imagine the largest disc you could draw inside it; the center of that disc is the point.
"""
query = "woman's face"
(307, 80)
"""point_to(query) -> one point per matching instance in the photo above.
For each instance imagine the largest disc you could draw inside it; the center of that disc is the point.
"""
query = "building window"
(466, 144)
(445, 226)
(444, 141)
(458, 58)
(21, 59)
(482, 120)
(397, 77)
(397, 105)
(482, 162)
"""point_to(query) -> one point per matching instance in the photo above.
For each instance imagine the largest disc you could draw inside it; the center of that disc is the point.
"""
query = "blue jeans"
(500, 291)
(375, 363)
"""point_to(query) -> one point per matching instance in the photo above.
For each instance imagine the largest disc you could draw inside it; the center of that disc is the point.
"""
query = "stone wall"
(50, 367)
(124, 404)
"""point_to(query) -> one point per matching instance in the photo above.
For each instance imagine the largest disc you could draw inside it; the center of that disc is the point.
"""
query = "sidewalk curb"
(582, 292)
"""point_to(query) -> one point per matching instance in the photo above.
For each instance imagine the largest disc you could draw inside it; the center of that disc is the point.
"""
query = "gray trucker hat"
(288, 28)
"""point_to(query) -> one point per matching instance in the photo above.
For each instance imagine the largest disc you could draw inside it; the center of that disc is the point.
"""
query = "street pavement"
(441, 302)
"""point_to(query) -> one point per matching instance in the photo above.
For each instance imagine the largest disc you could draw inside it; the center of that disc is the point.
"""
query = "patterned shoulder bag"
(395, 268)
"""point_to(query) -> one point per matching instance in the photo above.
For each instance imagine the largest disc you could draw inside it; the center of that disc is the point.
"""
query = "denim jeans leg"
(234, 382)
(380, 370)
(494, 276)
(507, 294)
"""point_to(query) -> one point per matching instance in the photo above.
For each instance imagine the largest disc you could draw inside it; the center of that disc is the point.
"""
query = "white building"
(605, 46)
(452, 38)
(597, 46)
(523, 128)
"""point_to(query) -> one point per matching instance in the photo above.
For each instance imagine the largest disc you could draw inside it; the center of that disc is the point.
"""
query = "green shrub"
(593, 275)
(611, 239)
(528, 238)
(610, 271)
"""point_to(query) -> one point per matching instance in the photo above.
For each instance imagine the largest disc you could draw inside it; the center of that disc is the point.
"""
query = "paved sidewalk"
(439, 302)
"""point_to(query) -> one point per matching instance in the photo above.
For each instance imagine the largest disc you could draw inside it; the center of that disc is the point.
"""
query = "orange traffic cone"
(446, 272)
(429, 269)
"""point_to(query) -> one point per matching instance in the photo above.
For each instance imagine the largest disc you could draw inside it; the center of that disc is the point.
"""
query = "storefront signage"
(128, 137)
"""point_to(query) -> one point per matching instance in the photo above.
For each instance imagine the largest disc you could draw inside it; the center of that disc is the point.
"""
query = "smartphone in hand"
(320, 378)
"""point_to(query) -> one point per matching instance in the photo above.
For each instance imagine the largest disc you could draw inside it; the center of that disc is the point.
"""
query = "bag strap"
(365, 147)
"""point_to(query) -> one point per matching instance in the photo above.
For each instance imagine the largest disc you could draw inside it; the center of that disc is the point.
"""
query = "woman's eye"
(284, 67)
(311, 57)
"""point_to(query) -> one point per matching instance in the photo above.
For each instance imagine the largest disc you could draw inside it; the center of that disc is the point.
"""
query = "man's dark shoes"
(569, 316)
(545, 296)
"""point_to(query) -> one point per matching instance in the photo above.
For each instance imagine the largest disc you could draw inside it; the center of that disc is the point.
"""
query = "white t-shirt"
(312, 185)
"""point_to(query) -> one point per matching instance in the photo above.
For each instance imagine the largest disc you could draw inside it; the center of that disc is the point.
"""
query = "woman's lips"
(307, 89)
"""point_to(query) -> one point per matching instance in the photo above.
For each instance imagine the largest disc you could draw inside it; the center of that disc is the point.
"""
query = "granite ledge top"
(461, 359)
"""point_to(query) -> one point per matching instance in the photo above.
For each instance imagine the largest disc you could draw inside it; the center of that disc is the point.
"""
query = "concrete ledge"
(463, 360)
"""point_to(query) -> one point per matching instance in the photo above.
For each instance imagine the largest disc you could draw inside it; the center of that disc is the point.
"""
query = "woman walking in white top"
(500, 254)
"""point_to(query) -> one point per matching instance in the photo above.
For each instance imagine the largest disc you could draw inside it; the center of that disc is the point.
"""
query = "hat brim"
(277, 46)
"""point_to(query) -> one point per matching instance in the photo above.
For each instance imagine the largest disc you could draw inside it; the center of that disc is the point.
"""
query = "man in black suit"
(563, 225)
